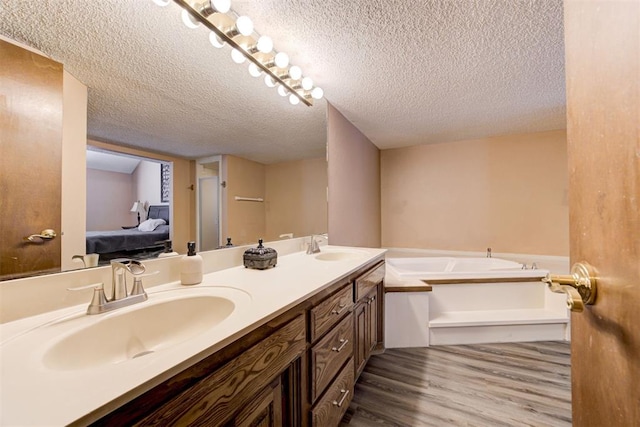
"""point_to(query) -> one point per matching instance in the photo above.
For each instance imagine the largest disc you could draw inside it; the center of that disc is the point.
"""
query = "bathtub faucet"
(488, 252)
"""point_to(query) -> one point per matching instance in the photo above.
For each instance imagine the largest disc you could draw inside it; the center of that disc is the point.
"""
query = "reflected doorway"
(209, 217)
(209, 202)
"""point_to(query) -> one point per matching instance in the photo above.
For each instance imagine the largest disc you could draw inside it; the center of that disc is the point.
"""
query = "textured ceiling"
(405, 72)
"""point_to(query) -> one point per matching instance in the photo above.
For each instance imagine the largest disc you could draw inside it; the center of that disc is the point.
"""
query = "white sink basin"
(139, 330)
(340, 255)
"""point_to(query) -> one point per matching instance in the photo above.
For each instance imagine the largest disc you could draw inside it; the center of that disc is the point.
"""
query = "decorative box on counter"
(260, 258)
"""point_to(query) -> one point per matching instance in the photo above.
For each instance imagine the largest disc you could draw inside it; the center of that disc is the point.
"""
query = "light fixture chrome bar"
(220, 33)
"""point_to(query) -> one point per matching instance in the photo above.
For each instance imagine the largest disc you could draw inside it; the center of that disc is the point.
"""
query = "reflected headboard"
(158, 211)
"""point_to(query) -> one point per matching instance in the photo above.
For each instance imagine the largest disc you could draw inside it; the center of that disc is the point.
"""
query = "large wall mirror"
(161, 92)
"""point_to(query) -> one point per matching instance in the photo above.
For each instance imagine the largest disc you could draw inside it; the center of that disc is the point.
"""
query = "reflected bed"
(130, 241)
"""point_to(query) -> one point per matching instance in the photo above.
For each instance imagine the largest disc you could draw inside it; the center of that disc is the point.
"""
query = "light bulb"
(268, 80)
(307, 83)
(221, 6)
(237, 56)
(317, 93)
(282, 91)
(294, 100)
(295, 72)
(162, 3)
(189, 20)
(254, 70)
(244, 25)
(282, 60)
(215, 40)
(212, 6)
(265, 44)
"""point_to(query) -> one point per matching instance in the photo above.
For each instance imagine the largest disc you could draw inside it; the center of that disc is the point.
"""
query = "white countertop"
(33, 394)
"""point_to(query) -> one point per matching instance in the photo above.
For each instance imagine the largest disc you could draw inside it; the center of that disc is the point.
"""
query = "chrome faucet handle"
(137, 288)
(99, 299)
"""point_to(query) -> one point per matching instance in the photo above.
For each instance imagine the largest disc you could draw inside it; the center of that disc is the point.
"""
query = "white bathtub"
(472, 300)
(445, 268)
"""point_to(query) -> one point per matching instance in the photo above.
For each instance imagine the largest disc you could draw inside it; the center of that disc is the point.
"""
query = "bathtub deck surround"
(33, 347)
(494, 300)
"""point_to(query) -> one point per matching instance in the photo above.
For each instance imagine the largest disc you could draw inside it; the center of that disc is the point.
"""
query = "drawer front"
(329, 354)
(368, 281)
(218, 396)
(334, 403)
(328, 312)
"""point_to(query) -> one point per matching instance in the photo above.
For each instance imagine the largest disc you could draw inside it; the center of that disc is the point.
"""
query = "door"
(30, 161)
(209, 213)
(602, 42)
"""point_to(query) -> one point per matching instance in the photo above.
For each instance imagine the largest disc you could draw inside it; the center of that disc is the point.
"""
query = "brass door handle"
(47, 234)
(580, 286)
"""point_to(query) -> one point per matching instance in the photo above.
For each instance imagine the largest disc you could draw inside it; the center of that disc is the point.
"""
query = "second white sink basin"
(140, 330)
(340, 255)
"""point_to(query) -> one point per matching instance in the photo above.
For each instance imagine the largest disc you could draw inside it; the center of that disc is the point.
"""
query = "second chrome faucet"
(313, 247)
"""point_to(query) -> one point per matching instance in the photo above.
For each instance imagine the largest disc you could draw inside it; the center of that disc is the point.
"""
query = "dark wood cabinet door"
(361, 349)
(372, 303)
(265, 410)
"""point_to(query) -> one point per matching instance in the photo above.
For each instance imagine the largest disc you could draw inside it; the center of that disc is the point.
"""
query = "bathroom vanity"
(288, 352)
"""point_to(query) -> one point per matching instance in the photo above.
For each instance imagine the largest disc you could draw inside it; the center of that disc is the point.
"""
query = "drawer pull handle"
(344, 394)
(338, 349)
(342, 308)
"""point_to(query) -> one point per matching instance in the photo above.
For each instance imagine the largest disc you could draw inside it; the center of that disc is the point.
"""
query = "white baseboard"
(497, 334)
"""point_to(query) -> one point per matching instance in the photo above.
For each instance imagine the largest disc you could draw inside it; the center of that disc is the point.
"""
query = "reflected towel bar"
(249, 199)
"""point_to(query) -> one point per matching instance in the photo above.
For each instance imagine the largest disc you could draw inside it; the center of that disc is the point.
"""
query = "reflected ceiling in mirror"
(156, 84)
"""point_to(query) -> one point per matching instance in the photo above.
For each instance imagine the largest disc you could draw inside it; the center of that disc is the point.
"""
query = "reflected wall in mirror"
(126, 215)
(244, 201)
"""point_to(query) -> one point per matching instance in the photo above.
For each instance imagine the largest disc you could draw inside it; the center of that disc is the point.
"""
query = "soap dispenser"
(191, 266)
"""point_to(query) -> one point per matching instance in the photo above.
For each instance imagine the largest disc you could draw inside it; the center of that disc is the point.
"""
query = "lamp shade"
(137, 206)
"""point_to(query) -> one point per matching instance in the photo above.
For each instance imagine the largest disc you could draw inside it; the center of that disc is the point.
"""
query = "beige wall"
(508, 193)
(354, 184)
(183, 206)
(245, 221)
(74, 190)
(296, 198)
(109, 199)
(146, 183)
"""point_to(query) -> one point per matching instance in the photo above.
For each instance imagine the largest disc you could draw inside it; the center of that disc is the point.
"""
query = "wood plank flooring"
(513, 384)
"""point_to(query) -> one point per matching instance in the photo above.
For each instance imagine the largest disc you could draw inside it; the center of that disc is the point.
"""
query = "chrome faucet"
(488, 252)
(313, 247)
(120, 296)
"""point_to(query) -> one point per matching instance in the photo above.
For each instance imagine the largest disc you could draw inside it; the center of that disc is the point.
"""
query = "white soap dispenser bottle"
(191, 266)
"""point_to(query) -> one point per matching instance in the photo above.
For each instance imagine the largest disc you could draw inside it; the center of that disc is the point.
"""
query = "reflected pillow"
(151, 224)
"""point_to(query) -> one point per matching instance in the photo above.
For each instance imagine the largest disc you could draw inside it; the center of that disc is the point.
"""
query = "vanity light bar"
(274, 64)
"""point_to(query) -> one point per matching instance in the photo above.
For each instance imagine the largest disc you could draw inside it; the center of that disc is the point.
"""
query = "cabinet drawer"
(328, 312)
(329, 354)
(215, 398)
(368, 281)
(332, 406)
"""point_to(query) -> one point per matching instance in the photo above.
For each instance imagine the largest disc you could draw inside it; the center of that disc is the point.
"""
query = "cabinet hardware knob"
(342, 308)
(338, 349)
(344, 394)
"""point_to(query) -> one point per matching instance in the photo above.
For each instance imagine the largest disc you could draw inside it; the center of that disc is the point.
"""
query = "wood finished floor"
(514, 384)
